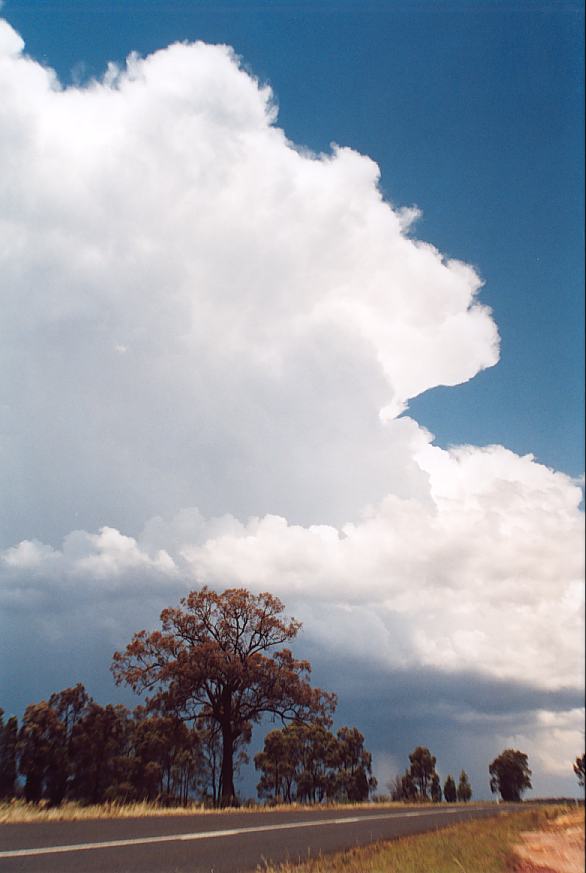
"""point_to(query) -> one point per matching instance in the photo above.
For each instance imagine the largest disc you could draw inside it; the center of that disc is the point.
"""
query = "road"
(213, 843)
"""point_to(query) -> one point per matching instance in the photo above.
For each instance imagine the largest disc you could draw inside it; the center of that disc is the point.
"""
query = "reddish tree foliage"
(307, 763)
(210, 662)
(41, 752)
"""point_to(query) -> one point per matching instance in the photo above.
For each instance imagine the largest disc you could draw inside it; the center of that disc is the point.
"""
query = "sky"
(292, 299)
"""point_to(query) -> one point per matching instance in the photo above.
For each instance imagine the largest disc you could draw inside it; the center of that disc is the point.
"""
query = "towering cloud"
(194, 311)
(197, 313)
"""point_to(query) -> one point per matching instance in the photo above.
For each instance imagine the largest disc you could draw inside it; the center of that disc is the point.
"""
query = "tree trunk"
(228, 792)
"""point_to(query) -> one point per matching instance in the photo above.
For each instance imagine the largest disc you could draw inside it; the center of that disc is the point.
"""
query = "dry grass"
(481, 846)
(558, 848)
(17, 811)
(572, 818)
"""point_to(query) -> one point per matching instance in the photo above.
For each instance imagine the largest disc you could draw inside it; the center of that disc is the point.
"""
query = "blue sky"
(473, 111)
(211, 329)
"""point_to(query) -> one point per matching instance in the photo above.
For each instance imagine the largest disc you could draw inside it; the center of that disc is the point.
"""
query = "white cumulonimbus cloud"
(486, 578)
(197, 313)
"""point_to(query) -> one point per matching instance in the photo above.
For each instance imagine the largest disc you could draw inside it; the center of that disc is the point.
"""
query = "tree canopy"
(464, 788)
(218, 658)
(510, 775)
(450, 790)
(71, 747)
(307, 763)
(422, 770)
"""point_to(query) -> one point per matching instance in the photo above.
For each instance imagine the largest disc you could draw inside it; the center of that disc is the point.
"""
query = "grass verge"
(481, 846)
(19, 812)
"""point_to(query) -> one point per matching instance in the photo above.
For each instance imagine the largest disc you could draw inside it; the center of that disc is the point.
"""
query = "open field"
(485, 846)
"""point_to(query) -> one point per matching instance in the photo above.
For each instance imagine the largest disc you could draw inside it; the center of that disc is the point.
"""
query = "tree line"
(509, 773)
(309, 764)
(219, 665)
(71, 748)
(421, 782)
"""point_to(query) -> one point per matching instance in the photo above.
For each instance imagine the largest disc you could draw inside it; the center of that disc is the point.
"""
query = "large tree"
(510, 775)
(217, 658)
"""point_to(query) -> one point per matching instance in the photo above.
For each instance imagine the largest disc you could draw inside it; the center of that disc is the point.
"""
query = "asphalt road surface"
(213, 843)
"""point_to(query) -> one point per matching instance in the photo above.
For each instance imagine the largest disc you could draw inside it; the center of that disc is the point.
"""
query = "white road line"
(209, 835)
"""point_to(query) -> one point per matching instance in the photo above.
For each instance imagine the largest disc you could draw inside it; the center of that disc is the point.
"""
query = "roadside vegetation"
(219, 665)
(480, 846)
(20, 812)
(421, 782)
(17, 811)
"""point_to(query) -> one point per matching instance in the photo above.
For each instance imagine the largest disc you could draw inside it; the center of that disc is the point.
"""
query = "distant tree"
(354, 780)
(166, 760)
(450, 792)
(70, 746)
(210, 662)
(69, 706)
(510, 775)
(395, 787)
(464, 788)
(315, 752)
(436, 789)
(43, 747)
(188, 771)
(100, 763)
(277, 764)
(308, 763)
(579, 768)
(8, 741)
(41, 753)
(403, 788)
(422, 770)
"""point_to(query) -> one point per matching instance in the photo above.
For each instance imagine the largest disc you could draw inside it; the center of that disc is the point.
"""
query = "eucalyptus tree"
(221, 658)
